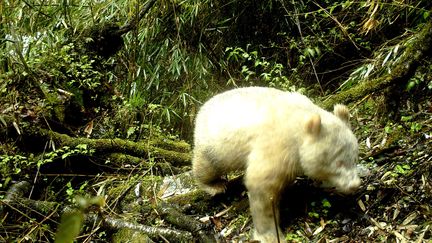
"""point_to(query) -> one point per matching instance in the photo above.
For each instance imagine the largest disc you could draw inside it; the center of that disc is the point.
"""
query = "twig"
(343, 29)
(153, 232)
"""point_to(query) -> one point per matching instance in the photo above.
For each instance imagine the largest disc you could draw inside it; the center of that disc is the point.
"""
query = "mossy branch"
(119, 159)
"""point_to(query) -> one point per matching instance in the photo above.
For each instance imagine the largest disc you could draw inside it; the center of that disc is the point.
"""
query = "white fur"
(274, 136)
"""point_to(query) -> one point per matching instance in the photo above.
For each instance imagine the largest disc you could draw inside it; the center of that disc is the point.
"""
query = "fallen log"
(144, 149)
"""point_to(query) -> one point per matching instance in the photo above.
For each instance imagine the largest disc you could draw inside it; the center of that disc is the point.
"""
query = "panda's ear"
(313, 125)
(342, 112)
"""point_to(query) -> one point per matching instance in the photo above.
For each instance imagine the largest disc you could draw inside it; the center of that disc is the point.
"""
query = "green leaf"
(309, 52)
(399, 169)
(70, 226)
(388, 129)
(82, 146)
(130, 131)
(410, 85)
(266, 76)
(65, 155)
(406, 167)
(406, 118)
(83, 186)
(326, 203)
(313, 215)
(426, 14)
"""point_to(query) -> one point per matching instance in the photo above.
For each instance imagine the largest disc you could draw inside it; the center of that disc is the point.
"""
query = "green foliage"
(403, 169)
(383, 62)
(14, 165)
(388, 128)
(319, 210)
(165, 72)
(295, 237)
(64, 152)
(420, 78)
(391, 53)
(78, 69)
(66, 67)
(182, 52)
(254, 67)
(73, 193)
(11, 165)
(414, 126)
(39, 51)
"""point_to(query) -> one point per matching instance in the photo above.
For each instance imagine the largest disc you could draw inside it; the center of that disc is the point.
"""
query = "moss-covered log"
(413, 54)
(161, 167)
(143, 149)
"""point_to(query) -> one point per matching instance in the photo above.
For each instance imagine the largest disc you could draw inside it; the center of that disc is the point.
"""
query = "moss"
(130, 236)
(179, 146)
(159, 168)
